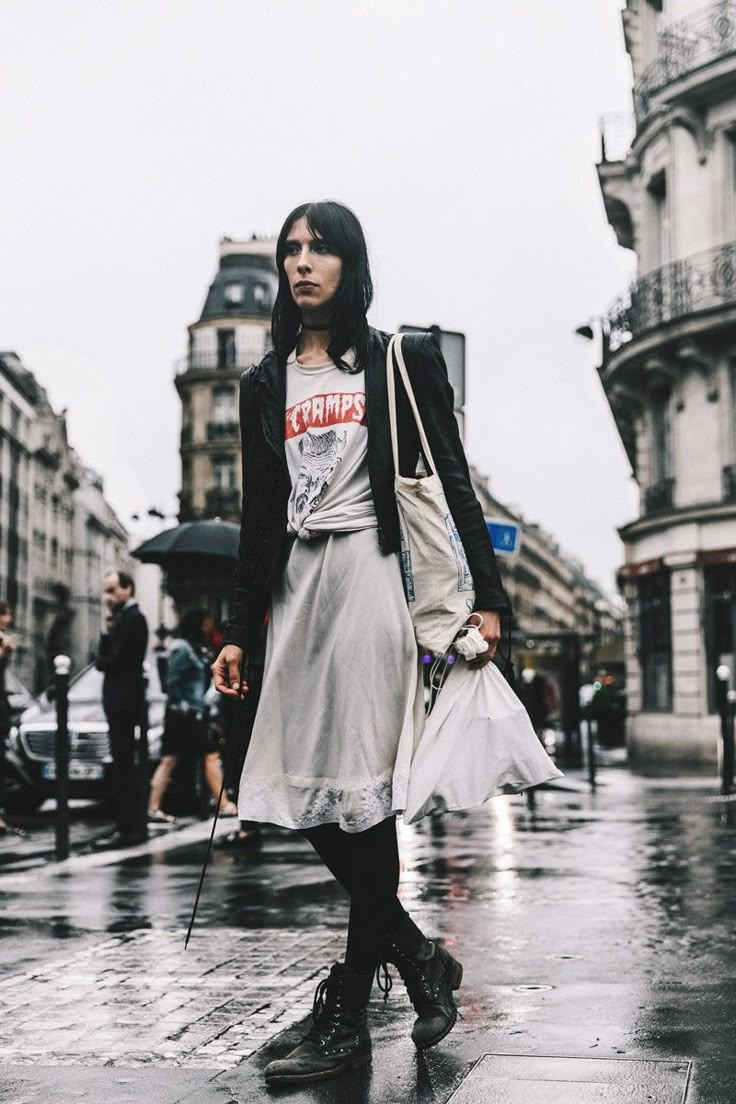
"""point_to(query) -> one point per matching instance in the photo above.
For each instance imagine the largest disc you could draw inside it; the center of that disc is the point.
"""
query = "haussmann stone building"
(58, 532)
(669, 369)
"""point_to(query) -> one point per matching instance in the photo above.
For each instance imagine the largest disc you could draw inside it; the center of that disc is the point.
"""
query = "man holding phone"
(121, 652)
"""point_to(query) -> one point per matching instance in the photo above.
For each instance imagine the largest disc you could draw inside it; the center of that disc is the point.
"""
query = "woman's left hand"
(490, 629)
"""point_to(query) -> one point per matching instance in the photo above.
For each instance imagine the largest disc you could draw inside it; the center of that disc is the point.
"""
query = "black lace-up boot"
(338, 1040)
(430, 974)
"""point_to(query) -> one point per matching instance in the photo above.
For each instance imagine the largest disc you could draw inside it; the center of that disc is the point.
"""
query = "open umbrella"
(191, 539)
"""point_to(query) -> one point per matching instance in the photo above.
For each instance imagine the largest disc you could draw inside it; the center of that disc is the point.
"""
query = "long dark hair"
(339, 228)
(190, 627)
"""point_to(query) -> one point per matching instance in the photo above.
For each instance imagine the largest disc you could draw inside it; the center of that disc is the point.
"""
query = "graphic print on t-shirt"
(321, 453)
(326, 444)
(321, 411)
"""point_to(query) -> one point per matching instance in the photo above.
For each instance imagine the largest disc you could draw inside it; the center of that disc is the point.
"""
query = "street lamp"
(162, 517)
(726, 699)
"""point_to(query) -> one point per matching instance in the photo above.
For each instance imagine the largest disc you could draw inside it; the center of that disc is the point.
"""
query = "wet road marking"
(178, 837)
(556, 1079)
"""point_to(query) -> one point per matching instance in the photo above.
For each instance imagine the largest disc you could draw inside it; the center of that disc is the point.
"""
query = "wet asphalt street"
(597, 935)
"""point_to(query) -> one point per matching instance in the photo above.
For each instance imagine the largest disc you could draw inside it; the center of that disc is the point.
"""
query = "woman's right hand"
(226, 671)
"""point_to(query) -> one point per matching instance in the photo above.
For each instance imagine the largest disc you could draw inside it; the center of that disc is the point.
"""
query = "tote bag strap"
(394, 346)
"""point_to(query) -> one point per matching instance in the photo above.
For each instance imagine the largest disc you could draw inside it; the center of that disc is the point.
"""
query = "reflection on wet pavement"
(597, 925)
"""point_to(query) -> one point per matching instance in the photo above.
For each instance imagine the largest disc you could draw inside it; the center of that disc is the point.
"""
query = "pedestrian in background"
(186, 728)
(342, 700)
(120, 656)
(7, 645)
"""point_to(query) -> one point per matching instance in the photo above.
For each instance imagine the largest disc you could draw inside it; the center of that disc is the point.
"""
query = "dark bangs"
(339, 228)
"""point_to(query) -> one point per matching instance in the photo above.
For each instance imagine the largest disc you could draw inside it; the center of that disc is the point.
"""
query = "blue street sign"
(504, 536)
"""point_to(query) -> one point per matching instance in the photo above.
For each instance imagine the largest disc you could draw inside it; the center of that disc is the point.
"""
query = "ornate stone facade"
(232, 333)
(668, 368)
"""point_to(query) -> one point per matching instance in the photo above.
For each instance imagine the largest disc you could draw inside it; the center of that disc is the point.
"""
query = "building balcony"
(223, 431)
(214, 363)
(659, 496)
(223, 503)
(684, 46)
(701, 283)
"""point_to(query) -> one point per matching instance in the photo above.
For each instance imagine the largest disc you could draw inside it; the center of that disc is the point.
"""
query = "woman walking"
(342, 698)
(185, 723)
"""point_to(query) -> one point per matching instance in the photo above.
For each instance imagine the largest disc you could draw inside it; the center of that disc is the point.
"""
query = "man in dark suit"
(120, 656)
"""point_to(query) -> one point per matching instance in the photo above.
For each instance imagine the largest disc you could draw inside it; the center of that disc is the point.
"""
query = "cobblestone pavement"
(140, 999)
(596, 926)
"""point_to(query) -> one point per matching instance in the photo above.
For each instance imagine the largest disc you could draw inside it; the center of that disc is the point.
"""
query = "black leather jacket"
(266, 483)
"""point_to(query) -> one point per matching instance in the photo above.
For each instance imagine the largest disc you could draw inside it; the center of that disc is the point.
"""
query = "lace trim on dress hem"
(286, 801)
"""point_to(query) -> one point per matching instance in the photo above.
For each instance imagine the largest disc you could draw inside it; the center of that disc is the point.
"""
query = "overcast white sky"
(464, 133)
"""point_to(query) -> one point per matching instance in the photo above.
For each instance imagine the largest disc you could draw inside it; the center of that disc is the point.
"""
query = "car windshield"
(87, 686)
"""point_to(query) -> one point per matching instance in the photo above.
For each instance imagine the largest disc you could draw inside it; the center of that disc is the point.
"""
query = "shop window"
(655, 642)
(720, 623)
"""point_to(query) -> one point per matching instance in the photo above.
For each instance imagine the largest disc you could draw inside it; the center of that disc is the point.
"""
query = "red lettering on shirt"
(325, 410)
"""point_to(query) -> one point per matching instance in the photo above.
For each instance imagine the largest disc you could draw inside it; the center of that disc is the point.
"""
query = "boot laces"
(384, 982)
(325, 1012)
(418, 985)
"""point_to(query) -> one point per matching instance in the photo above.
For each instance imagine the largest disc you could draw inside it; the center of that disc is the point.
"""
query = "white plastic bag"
(477, 742)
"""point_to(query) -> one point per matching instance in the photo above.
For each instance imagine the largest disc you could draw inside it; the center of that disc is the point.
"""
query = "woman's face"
(6, 620)
(313, 271)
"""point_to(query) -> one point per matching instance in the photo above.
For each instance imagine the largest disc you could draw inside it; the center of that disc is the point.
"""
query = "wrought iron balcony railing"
(223, 502)
(223, 431)
(212, 361)
(704, 281)
(659, 496)
(729, 483)
(684, 46)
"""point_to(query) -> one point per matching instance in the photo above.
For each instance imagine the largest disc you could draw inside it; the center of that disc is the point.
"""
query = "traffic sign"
(504, 535)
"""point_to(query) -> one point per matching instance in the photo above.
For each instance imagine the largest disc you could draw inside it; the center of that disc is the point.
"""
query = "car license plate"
(77, 771)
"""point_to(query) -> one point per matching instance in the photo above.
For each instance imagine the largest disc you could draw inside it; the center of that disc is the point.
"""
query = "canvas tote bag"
(437, 580)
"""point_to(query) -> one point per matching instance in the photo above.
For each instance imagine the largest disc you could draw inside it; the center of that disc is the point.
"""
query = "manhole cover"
(537, 1079)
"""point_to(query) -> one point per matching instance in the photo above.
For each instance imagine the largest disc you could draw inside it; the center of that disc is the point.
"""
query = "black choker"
(320, 326)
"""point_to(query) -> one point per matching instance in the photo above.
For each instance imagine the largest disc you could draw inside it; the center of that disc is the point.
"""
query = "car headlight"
(14, 738)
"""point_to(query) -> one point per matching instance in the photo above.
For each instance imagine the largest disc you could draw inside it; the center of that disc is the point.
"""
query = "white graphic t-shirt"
(327, 450)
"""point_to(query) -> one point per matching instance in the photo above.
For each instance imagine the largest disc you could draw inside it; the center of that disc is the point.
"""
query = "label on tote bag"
(464, 578)
(406, 572)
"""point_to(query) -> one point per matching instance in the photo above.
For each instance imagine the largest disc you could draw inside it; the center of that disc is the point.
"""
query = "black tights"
(366, 864)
